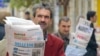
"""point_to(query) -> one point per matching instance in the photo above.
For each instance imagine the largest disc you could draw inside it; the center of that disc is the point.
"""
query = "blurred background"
(71, 8)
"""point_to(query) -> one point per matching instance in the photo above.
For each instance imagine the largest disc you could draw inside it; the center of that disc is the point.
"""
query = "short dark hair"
(65, 18)
(90, 14)
(27, 13)
(41, 6)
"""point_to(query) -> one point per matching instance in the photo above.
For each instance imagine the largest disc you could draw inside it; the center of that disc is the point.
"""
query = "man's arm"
(61, 50)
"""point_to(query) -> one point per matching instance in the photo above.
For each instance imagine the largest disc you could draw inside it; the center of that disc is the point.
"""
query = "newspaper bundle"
(24, 38)
(83, 33)
(79, 42)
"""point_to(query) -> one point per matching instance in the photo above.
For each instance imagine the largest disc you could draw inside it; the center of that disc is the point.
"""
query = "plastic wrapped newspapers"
(78, 43)
(24, 38)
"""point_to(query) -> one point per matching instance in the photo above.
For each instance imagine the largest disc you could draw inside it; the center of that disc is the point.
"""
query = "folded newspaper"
(24, 38)
(73, 50)
(78, 43)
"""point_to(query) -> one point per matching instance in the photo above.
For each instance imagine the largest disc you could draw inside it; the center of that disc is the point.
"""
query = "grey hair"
(41, 6)
(65, 18)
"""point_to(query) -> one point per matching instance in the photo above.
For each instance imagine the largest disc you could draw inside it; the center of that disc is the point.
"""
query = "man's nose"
(42, 19)
(67, 29)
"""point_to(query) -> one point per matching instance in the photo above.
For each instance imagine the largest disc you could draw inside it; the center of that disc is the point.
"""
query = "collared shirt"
(64, 38)
(45, 35)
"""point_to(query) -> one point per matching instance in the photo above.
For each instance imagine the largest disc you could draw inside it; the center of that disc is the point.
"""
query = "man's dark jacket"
(92, 45)
(2, 31)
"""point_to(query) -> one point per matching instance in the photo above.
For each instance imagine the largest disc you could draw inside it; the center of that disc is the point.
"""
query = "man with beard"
(42, 15)
(64, 25)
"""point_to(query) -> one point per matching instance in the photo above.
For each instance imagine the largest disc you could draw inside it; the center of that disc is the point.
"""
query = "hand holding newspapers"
(79, 42)
(24, 38)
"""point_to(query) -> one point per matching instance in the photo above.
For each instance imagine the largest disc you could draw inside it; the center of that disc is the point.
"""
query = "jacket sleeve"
(61, 50)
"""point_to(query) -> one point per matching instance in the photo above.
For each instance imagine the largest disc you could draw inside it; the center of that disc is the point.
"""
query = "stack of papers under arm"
(79, 42)
(24, 38)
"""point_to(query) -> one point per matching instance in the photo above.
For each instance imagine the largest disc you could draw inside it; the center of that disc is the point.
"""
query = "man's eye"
(46, 16)
(39, 15)
(63, 26)
(68, 26)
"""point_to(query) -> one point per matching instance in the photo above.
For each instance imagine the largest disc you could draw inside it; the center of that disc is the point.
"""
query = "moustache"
(42, 23)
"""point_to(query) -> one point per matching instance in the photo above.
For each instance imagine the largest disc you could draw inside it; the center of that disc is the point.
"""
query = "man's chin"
(66, 33)
(43, 28)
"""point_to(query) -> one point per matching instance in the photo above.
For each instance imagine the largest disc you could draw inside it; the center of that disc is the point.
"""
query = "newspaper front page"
(24, 38)
(79, 41)
(27, 48)
(82, 34)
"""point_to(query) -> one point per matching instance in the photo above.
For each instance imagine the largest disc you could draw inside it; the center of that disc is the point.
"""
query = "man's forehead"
(43, 12)
(42, 9)
(66, 22)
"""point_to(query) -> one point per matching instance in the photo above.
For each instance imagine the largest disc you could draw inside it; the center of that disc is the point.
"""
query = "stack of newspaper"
(78, 43)
(24, 38)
